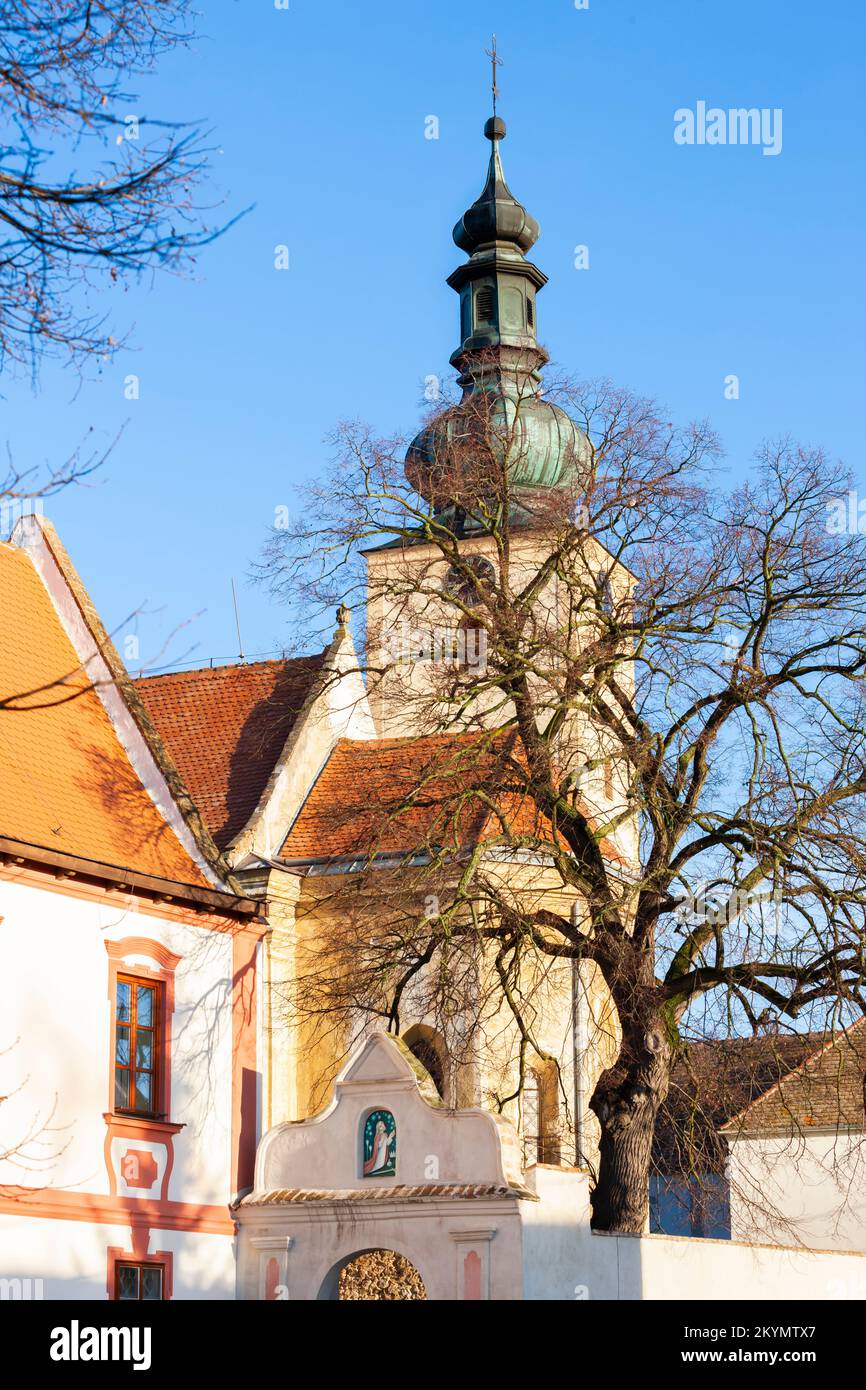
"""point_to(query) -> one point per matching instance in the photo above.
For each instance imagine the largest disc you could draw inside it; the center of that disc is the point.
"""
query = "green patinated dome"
(503, 416)
(542, 445)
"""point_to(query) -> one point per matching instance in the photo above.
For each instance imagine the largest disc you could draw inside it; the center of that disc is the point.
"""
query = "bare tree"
(37, 1143)
(91, 190)
(667, 728)
(23, 489)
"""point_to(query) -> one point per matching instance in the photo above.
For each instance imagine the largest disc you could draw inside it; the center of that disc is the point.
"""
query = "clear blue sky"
(703, 261)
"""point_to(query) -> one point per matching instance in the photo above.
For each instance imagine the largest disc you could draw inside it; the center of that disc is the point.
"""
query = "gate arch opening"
(373, 1275)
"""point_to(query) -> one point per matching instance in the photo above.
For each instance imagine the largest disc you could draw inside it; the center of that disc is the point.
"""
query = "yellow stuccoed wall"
(302, 1055)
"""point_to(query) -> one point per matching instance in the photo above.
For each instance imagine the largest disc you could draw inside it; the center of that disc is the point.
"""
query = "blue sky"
(704, 261)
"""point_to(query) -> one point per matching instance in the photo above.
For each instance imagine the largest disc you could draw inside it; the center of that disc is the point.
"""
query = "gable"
(325, 1153)
(67, 780)
(386, 1058)
(710, 1083)
(226, 727)
(379, 1060)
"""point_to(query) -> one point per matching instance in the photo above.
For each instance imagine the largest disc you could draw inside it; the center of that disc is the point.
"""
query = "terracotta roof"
(283, 1195)
(826, 1090)
(713, 1082)
(225, 728)
(394, 795)
(66, 781)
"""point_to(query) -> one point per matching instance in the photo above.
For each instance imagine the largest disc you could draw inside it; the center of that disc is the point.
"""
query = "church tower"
(502, 456)
(499, 358)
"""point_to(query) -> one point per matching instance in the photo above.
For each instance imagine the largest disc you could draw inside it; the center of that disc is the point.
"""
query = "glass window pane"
(151, 1282)
(143, 1090)
(121, 1088)
(124, 996)
(127, 1281)
(145, 1006)
(144, 1050)
(121, 1052)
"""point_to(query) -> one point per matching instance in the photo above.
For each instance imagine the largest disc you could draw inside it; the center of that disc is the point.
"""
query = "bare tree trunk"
(627, 1114)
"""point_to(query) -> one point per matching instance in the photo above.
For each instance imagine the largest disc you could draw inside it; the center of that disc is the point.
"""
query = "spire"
(497, 285)
(496, 215)
(495, 62)
(499, 361)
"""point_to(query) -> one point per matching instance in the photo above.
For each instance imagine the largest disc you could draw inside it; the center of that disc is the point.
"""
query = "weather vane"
(495, 62)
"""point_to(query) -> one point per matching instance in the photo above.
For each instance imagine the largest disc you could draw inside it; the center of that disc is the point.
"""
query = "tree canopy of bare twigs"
(667, 725)
(91, 189)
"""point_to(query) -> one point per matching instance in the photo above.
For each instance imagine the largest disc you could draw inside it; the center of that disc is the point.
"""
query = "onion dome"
(496, 214)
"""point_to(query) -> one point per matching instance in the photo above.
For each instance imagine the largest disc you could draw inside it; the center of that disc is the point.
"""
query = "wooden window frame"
(140, 1265)
(125, 960)
(129, 977)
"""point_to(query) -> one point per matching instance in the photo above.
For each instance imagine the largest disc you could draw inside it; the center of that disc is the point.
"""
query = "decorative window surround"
(139, 1255)
(139, 1149)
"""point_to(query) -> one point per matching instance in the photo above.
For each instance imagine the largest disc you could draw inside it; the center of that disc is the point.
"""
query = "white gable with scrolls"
(428, 1144)
(385, 1168)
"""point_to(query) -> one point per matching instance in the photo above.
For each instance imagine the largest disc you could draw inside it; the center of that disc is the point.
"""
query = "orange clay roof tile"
(225, 728)
(825, 1090)
(395, 795)
(66, 781)
(284, 1196)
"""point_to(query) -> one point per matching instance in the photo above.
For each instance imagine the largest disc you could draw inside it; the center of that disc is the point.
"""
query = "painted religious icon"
(380, 1144)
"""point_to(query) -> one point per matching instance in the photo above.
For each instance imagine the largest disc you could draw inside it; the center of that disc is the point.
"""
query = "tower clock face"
(466, 587)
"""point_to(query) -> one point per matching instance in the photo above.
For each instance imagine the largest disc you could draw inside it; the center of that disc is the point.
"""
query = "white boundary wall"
(563, 1259)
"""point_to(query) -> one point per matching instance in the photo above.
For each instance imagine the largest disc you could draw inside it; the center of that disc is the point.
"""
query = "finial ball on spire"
(494, 128)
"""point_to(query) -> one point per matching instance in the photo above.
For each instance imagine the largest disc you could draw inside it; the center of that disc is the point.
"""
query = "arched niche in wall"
(378, 1144)
(428, 1047)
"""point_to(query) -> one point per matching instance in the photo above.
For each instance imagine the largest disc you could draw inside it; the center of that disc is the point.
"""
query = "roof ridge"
(227, 729)
(228, 666)
(756, 1038)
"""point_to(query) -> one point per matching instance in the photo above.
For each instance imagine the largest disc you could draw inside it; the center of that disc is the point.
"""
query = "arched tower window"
(605, 589)
(470, 644)
(540, 1114)
(470, 635)
(428, 1048)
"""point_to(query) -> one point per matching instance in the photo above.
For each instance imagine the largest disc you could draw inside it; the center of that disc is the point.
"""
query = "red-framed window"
(138, 1282)
(138, 1045)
